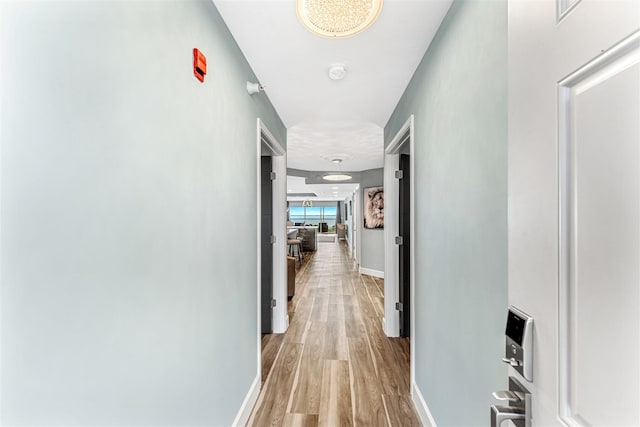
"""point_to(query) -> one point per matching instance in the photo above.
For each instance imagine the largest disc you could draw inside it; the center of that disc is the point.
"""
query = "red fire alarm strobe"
(199, 64)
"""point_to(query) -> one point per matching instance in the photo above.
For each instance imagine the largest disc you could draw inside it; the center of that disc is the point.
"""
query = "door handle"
(509, 396)
(513, 361)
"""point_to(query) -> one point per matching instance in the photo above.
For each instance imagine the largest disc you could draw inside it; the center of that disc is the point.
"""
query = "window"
(313, 215)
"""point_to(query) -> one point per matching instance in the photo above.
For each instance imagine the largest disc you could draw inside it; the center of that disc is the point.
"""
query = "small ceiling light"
(337, 177)
(337, 71)
(337, 19)
(336, 161)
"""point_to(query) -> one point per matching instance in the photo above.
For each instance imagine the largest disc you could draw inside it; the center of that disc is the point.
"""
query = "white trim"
(1, 272)
(355, 237)
(258, 253)
(564, 7)
(370, 272)
(247, 404)
(280, 318)
(421, 406)
(270, 141)
(412, 255)
(357, 250)
(391, 254)
(391, 257)
(392, 320)
(397, 142)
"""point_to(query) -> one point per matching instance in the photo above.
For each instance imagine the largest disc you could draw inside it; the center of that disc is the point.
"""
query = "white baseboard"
(374, 273)
(421, 407)
(247, 406)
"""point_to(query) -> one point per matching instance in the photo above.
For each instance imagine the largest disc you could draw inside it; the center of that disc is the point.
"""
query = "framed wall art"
(374, 207)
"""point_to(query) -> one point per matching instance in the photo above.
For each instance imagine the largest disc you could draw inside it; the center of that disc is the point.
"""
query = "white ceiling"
(326, 118)
(312, 146)
(335, 191)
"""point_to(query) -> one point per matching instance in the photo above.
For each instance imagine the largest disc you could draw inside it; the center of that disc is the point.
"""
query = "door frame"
(391, 324)
(357, 250)
(353, 242)
(267, 144)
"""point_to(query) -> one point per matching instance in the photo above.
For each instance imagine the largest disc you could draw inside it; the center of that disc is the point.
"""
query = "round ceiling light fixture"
(337, 19)
(337, 177)
(336, 161)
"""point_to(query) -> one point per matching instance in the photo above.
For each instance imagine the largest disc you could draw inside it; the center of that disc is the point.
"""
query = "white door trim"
(266, 142)
(391, 258)
(355, 232)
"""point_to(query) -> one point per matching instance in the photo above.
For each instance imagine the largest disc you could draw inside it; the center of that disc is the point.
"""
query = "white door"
(574, 197)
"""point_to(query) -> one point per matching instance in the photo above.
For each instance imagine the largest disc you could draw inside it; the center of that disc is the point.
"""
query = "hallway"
(334, 365)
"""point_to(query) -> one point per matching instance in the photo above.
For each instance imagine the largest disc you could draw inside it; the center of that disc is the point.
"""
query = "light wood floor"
(334, 366)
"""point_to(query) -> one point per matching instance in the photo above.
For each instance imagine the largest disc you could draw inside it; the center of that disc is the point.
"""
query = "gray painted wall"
(128, 293)
(370, 241)
(458, 96)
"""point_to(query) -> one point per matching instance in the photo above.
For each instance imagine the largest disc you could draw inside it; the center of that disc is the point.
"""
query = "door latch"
(512, 361)
(399, 240)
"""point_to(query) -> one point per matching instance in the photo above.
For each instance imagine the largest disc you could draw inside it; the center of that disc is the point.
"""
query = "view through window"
(313, 215)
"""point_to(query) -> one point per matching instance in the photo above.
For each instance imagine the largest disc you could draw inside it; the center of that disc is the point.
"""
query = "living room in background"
(315, 215)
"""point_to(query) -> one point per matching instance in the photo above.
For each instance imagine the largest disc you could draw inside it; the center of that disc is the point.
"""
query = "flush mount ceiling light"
(336, 161)
(337, 177)
(337, 18)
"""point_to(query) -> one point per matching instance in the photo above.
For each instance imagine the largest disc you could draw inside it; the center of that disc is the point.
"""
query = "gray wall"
(458, 96)
(126, 296)
(370, 244)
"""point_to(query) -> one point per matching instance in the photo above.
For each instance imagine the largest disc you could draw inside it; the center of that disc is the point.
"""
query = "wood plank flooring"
(334, 366)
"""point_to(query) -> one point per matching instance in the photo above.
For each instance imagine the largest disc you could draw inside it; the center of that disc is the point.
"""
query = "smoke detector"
(337, 71)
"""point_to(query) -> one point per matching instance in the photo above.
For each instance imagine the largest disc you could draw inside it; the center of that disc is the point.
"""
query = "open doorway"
(271, 257)
(404, 247)
(267, 240)
(399, 283)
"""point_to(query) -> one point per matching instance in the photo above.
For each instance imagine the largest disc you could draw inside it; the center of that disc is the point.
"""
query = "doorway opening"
(271, 257)
(399, 282)
(266, 245)
(404, 248)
